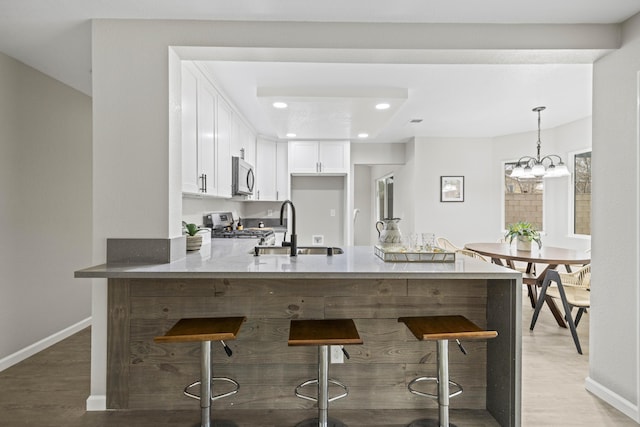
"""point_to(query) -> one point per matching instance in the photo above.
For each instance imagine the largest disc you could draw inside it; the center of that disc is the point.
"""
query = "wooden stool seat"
(433, 328)
(442, 329)
(323, 332)
(203, 329)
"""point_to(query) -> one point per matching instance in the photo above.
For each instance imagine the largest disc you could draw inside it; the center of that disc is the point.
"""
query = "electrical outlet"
(269, 212)
(337, 356)
(332, 212)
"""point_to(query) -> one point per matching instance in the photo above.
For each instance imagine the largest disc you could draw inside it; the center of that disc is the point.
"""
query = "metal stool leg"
(442, 358)
(205, 383)
(323, 399)
(443, 382)
(323, 384)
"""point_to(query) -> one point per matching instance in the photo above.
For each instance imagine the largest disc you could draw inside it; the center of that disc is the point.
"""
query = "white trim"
(97, 403)
(613, 399)
(44, 343)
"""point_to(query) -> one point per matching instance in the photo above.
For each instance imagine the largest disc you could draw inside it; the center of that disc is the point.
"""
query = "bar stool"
(206, 330)
(442, 329)
(323, 333)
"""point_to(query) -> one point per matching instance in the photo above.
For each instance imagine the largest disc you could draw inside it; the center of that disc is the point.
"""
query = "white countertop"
(232, 258)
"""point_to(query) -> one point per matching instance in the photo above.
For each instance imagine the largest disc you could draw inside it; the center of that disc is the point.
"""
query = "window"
(582, 193)
(385, 197)
(522, 199)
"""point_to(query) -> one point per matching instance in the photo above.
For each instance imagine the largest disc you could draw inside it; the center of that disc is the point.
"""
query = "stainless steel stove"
(222, 225)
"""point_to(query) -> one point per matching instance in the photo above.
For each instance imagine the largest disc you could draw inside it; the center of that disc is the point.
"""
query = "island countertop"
(232, 258)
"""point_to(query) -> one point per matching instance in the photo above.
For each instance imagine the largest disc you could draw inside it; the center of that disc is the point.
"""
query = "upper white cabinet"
(223, 137)
(199, 154)
(212, 132)
(325, 157)
(271, 170)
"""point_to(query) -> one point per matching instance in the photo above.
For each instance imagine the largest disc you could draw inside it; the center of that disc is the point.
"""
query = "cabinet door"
(248, 142)
(190, 183)
(282, 171)
(333, 156)
(266, 167)
(303, 157)
(206, 139)
(224, 134)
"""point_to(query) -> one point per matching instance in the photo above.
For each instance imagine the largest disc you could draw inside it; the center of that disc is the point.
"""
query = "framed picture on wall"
(452, 188)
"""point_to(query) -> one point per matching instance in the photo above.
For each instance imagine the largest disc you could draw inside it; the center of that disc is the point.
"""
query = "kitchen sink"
(302, 250)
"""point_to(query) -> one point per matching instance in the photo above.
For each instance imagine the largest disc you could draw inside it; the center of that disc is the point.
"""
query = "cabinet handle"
(277, 195)
(258, 195)
(203, 179)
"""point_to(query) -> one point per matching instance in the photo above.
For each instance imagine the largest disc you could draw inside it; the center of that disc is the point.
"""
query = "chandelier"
(534, 167)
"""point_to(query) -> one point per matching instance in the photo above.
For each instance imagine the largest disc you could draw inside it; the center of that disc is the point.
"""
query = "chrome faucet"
(294, 237)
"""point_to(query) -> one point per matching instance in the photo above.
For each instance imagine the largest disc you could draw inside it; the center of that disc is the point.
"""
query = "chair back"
(472, 254)
(445, 244)
(578, 279)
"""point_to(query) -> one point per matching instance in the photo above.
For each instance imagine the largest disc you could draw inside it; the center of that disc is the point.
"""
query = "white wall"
(364, 203)
(315, 198)
(614, 350)
(45, 210)
(461, 222)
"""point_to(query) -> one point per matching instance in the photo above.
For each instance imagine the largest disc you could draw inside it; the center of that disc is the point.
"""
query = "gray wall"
(45, 207)
(315, 197)
(614, 351)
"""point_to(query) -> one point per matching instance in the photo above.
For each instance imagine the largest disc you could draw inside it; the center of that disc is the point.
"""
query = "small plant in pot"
(525, 233)
(194, 240)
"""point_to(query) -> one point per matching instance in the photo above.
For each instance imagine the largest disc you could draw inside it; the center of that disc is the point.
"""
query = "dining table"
(538, 261)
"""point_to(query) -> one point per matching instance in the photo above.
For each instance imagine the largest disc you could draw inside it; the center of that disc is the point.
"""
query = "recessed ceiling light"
(382, 106)
(291, 135)
(363, 135)
(280, 105)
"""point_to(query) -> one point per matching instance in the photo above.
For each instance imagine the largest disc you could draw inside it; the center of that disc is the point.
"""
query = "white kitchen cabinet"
(325, 157)
(190, 151)
(223, 139)
(206, 136)
(243, 140)
(198, 134)
(271, 170)
(282, 171)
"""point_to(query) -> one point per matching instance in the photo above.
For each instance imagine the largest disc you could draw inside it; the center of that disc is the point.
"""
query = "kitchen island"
(225, 279)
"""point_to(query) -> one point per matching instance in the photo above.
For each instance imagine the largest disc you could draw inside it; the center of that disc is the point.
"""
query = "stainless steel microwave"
(243, 177)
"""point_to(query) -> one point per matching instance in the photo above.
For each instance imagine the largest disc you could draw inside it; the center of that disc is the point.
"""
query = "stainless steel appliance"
(242, 178)
(222, 226)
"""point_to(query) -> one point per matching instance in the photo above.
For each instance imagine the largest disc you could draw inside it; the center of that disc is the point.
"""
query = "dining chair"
(467, 252)
(573, 289)
(445, 244)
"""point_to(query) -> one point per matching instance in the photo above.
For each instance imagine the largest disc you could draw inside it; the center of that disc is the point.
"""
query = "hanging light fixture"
(534, 167)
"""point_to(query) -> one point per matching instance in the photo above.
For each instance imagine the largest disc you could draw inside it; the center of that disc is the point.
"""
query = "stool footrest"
(213, 397)
(456, 392)
(315, 399)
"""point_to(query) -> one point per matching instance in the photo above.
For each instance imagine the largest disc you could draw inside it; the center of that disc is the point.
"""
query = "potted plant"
(194, 240)
(525, 233)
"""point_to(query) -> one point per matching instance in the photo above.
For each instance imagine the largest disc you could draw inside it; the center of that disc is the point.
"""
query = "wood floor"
(50, 389)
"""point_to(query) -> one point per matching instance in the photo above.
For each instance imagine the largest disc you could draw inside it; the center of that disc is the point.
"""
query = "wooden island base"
(143, 375)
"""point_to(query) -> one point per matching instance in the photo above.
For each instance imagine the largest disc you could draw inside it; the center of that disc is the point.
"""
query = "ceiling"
(453, 100)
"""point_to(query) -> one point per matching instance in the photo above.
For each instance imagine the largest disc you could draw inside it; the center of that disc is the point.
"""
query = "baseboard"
(97, 403)
(613, 399)
(34, 348)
